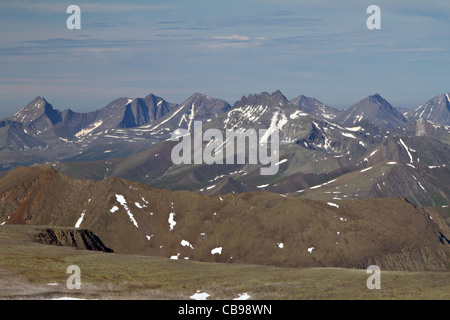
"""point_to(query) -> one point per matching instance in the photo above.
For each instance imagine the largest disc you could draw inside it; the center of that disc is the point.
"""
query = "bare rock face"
(77, 238)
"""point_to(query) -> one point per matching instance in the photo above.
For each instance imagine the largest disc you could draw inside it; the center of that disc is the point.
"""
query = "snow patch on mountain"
(171, 220)
(277, 122)
(123, 202)
(185, 243)
(89, 129)
(407, 150)
(77, 225)
(348, 135)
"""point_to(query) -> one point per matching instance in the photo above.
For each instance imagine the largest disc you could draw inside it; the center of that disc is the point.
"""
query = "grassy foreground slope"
(32, 270)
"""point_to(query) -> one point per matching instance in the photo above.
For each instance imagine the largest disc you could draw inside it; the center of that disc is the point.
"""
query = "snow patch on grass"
(199, 295)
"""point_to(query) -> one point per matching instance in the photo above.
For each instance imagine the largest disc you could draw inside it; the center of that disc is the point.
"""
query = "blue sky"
(222, 48)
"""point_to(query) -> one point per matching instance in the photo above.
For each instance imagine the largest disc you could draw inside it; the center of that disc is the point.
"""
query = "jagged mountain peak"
(274, 99)
(32, 110)
(38, 115)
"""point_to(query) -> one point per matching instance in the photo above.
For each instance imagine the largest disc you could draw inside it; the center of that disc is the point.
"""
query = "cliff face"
(77, 238)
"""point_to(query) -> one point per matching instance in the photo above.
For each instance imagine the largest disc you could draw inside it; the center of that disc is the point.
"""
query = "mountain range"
(130, 138)
(110, 171)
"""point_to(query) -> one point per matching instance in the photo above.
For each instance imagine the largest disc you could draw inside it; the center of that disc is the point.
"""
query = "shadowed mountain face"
(39, 113)
(256, 227)
(38, 133)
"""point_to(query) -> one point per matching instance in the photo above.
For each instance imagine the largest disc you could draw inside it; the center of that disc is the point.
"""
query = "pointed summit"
(39, 112)
(436, 110)
(374, 109)
(31, 111)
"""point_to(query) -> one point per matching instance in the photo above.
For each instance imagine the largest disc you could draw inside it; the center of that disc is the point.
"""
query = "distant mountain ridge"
(39, 116)
(313, 151)
(120, 113)
(129, 138)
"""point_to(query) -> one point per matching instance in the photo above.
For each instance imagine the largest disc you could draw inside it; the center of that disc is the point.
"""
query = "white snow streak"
(191, 116)
(123, 202)
(282, 161)
(354, 129)
(297, 114)
(77, 225)
(89, 129)
(333, 204)
(173, 114)
(172, 222)
(348, 135)
(407, 150)
(277, 122)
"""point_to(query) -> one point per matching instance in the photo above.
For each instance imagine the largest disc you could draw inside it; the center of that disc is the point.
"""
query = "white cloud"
(233, 37)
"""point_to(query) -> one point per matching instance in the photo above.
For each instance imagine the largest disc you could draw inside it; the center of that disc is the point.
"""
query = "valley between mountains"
(369, 185)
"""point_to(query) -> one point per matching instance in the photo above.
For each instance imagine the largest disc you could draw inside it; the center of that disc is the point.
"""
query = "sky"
(222, 48)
